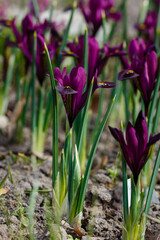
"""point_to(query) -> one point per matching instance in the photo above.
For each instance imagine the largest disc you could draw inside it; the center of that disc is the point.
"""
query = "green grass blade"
(76, 170)
(63, 179)
(114, 25)
(40, 112)
(152, 183)
(100, 105)
(4, 180)
(125, 190)
(157, 116)
(10, 173)
(64, 41)
(36, 8)
(27, 91)
(34, 92)
(85, 60)
(47, 112)
(84, 119)
(104, 26)
(143, 11)
(55, 121)
(70, 174)
(90, 160)
(157, 37)
(153, 104)
(8, 80)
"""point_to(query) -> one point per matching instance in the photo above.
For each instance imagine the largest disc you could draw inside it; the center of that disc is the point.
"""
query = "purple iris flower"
(136, 148)
(41, 61)
(97, 57)
(143, 69)
(71, 87)
(92, 12)
(24, 40)
(149, 26)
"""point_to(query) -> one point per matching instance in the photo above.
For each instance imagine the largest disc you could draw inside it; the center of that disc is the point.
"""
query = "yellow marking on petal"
(142, 26)
(112, 10)
(67, 86)
(70, 52)
(129, 72)
(117, 50)
(102, 84)
(19, 44)
(8, 23)
(44, 52)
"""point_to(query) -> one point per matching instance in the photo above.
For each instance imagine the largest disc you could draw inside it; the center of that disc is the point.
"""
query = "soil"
(102, 215)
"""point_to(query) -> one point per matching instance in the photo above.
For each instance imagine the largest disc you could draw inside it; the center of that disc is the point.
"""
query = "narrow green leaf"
(4, 180)
(76, 170)
(63, 179)
(36, 8)
(73, 208)
(152, 183)
(125, 190)
(157, 117)
(47, 112)
(10, 173)
(84, 118)
(70, 174)
(85, 60)
(90, 160)
(157, 37)
(64, 41)
(152, 105)
(7, 83)
(55, 121)
(143, 11)
(34, 93)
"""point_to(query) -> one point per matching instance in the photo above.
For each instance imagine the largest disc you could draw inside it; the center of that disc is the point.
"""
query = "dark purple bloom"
(136, 148)
(24, 40)
(71, 87)
(41, 61)
(143, 68)
(92, 12)
(97, 57)
(148, 27)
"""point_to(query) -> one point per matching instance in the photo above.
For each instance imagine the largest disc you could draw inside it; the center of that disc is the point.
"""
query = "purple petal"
(65, 90)
(132, 144)
(153, 139)
(141, 132)
(152, 62)
(106, 84)
(133, 48)
(58, 76)
(127, 74)
(118, 135)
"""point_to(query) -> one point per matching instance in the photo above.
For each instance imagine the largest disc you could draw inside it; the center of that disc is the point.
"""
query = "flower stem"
(34, 93)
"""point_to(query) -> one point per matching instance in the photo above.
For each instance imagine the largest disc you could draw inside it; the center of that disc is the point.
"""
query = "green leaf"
(55, 121)
(4, 180)
(76, 170)
(91, 157)
(10, 174)
(64, 41)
